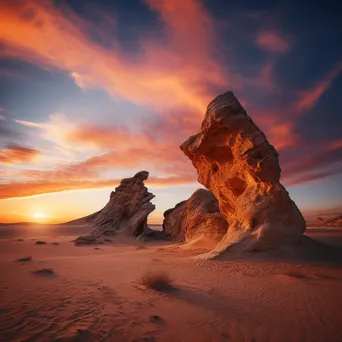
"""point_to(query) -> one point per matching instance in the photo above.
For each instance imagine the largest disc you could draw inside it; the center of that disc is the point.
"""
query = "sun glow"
(39, 215)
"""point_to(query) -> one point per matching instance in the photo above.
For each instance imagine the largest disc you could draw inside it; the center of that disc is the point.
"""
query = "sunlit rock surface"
(235, 161)
(127, 210)
(196, 219)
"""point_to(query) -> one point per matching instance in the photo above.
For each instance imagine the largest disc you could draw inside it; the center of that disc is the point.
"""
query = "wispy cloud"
(29, 189)
(13, 154)
(175, 68)
(308, 99)
(29, 123)
(308, 166)
(273, 40)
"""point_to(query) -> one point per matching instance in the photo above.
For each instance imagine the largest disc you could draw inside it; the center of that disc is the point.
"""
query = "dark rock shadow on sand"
(24, 259)
(44, 272)
(308, 251)
(78, 335)
(40, 242)
(208, 300)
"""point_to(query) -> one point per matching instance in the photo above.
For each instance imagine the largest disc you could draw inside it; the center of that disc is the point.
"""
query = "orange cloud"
(108, 137)
(308, 99)
(13, 154)
(127, 150)
(273, 41)
(28, 189)
(279, 132)
(166, 73)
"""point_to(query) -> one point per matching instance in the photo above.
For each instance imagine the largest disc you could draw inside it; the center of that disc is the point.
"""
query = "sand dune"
(96, 295)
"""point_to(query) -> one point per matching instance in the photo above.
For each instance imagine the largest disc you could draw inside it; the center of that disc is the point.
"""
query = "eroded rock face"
(196, 219)
(235, 161)
(126, 211)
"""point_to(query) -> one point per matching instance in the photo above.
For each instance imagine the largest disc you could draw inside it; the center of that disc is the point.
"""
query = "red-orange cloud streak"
(28, 189)
(13, 154)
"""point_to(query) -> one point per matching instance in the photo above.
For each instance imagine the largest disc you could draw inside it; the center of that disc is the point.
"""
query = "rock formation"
(196, 219)
(127, 210)
(235, 161)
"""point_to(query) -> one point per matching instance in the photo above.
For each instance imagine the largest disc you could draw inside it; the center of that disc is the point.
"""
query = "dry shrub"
(158, 280)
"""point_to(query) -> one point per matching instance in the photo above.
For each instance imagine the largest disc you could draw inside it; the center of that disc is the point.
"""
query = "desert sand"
(94, 293)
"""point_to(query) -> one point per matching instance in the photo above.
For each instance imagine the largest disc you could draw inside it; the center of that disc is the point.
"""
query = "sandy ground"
(96, 295)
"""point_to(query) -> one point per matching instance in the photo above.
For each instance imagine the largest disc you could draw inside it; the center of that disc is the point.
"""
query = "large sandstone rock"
(196, 219)
(235, 161)
(127, 210)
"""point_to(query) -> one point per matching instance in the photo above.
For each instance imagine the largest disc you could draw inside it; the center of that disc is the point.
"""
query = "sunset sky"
(94, 91)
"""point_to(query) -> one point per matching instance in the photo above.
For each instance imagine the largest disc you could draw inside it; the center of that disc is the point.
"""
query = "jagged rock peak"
(127, 210)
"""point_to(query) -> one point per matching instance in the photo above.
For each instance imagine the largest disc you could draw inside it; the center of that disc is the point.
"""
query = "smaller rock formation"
(127, 211)
(335, 222)
(196, 219)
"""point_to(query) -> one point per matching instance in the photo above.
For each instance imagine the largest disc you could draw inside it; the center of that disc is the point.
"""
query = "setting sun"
(39, 215)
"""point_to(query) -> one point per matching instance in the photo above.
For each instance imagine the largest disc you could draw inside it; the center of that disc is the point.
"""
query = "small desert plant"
(29, 258)
(158, 280)
(55, 243)
(44, 272)
(39, 242)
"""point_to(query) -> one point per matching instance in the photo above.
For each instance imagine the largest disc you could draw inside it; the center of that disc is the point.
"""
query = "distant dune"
(82, 220)
(20, 224)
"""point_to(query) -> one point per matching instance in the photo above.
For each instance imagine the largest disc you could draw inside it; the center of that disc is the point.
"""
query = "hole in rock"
(237, 185)
(221, 154)
(214, 167)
